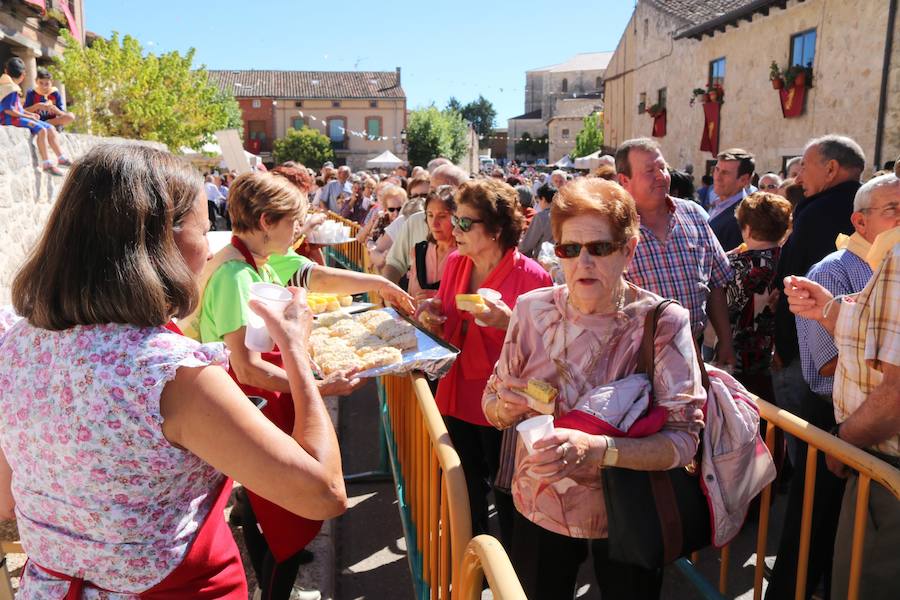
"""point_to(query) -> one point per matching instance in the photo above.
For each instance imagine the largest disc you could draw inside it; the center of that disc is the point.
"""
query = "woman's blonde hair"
(595, 196)
(253, 196)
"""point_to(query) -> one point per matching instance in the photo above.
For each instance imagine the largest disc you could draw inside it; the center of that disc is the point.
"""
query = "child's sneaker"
(49, 167)
(64, 162)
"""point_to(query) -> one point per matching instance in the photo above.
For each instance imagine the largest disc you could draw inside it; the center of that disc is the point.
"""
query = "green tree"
(590, 138)
(480, 113)
(306, 146)
(431, 133)
(454, 105)
(117, 89)
(528, 146)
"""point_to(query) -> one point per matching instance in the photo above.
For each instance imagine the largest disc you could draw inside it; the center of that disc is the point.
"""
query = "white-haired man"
(875, 210)
(558, 178)
(337, 190)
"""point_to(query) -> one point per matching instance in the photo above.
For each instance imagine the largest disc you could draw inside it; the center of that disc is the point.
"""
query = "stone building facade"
(553, 92)
(567, 123)
(668, 49)
(363, 113)
(29, 29)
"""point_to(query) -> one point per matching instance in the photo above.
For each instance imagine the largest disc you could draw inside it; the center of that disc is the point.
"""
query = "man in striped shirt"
(678, 255)
(842, 272)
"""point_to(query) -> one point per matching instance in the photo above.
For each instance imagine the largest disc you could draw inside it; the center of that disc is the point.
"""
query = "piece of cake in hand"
(541, 396)
(472, 303)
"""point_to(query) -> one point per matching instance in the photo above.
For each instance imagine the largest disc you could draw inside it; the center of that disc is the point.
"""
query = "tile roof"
(310, 84)
(696, 12)
(535, 114)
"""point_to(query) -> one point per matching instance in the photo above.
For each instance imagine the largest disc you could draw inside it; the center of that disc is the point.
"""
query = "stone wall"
(27, 195)
(844, 99)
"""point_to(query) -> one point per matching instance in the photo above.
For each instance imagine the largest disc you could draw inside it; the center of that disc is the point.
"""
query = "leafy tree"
(306, 146)
(431, 133)
(529, 146)
(480, 113)
(119, 90)
(590, 138)
(454, 105)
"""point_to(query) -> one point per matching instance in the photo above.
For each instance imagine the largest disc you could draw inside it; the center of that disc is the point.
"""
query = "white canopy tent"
(591, 161)
(385, 160)
(564, 163)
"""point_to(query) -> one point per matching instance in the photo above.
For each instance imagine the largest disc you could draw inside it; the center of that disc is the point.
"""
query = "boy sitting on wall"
(47, 101)
(12, 113)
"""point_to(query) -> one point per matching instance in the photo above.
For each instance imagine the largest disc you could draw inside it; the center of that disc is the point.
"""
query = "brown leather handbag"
(655, 517)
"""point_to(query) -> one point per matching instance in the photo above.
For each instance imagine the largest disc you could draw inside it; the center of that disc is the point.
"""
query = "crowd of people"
(134, 338)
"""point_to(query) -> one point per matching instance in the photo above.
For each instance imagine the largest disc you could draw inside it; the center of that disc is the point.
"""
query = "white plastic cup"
(533, 429)
(257, 337)
(487, 294)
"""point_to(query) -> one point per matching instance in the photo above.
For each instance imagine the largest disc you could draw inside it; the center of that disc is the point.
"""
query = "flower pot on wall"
(777, 83)
(800, 79)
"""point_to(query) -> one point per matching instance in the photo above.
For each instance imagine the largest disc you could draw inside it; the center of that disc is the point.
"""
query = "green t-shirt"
(285, 265)
(225, 298)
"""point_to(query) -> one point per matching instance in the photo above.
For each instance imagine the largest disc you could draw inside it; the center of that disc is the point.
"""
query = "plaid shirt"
(868, 334)
(841, 273)
(686, 266)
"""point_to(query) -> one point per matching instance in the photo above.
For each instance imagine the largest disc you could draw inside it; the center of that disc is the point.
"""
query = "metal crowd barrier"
(352, 255)
(6, 590)
(869, 468)
(485, 557)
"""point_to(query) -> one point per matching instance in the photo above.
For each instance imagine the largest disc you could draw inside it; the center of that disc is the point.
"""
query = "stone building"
(670, 48)
(30, 29)
(568, 122)
(549, 92)
(362, 112)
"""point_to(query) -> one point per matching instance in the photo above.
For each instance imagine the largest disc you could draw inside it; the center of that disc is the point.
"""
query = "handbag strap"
(647, 351)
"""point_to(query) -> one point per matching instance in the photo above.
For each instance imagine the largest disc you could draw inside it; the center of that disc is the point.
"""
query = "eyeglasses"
(889, 211)
(598, 248)
(464, 224)
(394, 209)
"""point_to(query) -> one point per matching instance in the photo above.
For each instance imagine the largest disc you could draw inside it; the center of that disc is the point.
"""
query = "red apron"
(285, 533)
(211, 570)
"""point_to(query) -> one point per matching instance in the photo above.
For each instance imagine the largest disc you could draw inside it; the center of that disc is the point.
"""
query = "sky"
(462, 49)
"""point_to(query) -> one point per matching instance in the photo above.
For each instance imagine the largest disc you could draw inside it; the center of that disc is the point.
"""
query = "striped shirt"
(686, 266)
(841, 273)
(867, 335)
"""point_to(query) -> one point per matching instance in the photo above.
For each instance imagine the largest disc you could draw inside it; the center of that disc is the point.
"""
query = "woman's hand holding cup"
(290, 325)
(568, 453)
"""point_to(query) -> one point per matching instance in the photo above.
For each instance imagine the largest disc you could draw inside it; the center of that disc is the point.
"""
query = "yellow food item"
(543, 394)
(345, 300)
(472, 303)
(332, 305)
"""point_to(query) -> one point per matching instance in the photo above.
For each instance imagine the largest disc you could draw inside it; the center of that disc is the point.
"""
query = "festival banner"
(659, 124)
(792, 100)
(709, 142)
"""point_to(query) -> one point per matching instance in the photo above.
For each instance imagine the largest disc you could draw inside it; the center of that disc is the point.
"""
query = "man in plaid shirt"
(678, 255)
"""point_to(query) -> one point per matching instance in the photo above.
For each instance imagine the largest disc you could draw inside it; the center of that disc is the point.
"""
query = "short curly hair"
(497, 204)
(260, 194)
(767, 215)
(595, 196)
(297, 174)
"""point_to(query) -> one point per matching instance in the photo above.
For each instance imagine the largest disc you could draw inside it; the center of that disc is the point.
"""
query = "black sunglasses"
(598, 248)
(395, 209)
(464, 224)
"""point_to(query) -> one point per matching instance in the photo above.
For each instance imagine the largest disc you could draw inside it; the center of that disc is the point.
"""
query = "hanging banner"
(792, 100)
(710, 140)
(659, 124)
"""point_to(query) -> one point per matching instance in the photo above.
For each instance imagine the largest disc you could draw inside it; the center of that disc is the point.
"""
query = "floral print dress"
(751, 296)
(100, 493)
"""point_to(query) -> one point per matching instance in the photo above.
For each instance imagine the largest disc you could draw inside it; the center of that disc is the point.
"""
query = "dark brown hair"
(260, 194)
(767, 215)
(497, 204)
(595, 196)
(444, 195)
(108, 253)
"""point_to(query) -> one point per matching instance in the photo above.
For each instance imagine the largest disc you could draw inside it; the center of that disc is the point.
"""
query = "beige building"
(362, 112)
(559, 91)
(29, 29)
(670, 48)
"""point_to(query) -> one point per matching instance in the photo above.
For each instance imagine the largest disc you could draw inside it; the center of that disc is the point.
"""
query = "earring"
(266, 238)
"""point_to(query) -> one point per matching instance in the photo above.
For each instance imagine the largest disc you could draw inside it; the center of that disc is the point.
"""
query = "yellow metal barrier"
(431, 485)
(485, 557)
(869, 468)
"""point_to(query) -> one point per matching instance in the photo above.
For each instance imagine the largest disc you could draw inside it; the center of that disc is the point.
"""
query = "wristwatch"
(611, 455)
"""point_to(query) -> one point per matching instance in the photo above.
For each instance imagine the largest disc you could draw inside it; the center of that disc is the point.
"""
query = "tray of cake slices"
(377, 342)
